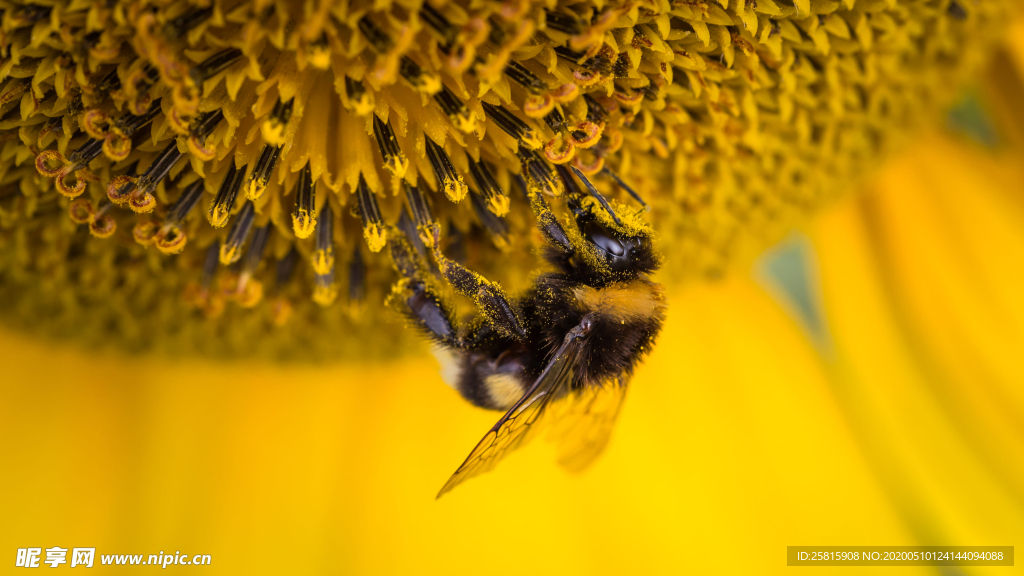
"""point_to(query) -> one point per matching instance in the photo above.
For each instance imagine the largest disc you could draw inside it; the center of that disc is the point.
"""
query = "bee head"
(623, 242)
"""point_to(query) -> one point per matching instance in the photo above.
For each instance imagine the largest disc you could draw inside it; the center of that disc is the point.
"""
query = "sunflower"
(223, 177)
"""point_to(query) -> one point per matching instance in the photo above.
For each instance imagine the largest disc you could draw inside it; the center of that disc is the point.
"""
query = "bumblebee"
(561, 354)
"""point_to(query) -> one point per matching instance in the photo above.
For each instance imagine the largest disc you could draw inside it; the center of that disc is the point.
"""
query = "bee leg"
(489, 297)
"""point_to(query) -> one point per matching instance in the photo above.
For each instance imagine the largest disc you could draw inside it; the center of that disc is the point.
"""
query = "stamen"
(373, 223)
(378, 39)
(421, 213)
(494, 224)
(285, 268)
(493, 196)
(595, 112)
(142, 199)
(600, 197)
(357, 98)
(357, 276)
(394, 160)
(224, 203)
(420, 80)
(323, 253)
(522, 75)
(303, 219)
(171, 239)
(260, 175)
(438, 22)
(562, 22)
(200, 130)
(456, 111)
(512, 125)
(448, 179)
(627, 188)
(215, 64)
(231, 251)
(182, 24)
(273, 127)
(210, 264)
(256, 248)
(408, 228)
(555, 120)
(324, 290)
(86, 153)
(538, 175)
(250, 291)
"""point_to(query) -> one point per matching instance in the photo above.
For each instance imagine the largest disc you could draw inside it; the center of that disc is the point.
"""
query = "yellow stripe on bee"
(627, 301)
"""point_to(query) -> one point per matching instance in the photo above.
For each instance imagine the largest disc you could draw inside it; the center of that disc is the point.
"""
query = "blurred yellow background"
(880, 406)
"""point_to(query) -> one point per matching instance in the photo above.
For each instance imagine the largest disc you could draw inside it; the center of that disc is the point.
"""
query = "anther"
(562, 22)
(250, 291)
(224, 203)
(494, 224)
(493, 196)
(408, 228)
(595, 112)
(357, 277)
(378, 39)
(260, 176)
(182, 24)
(231, 251)
(522, 75)
(456, 111)
(555, 120)
(303, 219)
(420, 209)
(448, 179)
(374, 230)
(215, 64)
(594, 192)
(210, 265)
(171, 239)
(323, 253)
(142, 199)
(538, 174)
(200, 130)
(395, 161)
(422, 81)
(324, 290)
(359, 100)
(512, 125)
(438, 22)
(284, 269)
(273, 127)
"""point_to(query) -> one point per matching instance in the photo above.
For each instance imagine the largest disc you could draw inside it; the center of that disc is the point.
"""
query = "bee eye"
(603, 239)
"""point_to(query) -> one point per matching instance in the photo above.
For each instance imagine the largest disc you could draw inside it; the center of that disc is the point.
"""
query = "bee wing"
(521, 422)
(583, 422)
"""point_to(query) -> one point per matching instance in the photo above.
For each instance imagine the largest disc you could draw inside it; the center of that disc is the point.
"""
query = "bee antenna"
(627, 187)
(600, 197)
